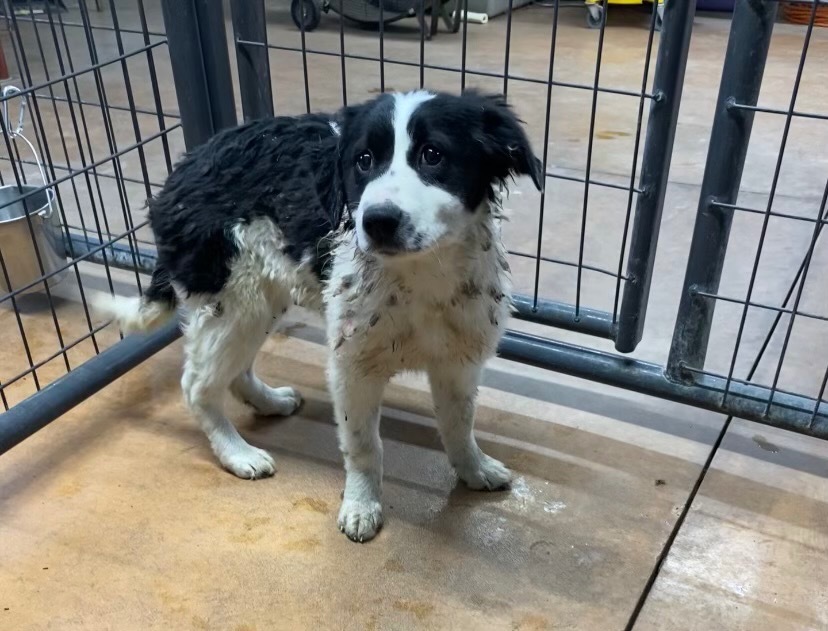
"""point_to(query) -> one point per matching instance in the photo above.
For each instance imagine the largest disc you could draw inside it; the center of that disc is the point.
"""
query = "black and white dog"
(386, 215)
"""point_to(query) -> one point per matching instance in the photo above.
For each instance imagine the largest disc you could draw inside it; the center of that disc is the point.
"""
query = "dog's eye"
(432, 156)
(364, 161)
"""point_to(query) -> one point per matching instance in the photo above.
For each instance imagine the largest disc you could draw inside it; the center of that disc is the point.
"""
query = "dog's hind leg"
(221, 343)
(267, 401)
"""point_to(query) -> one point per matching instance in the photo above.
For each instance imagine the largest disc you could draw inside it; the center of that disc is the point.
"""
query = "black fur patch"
(283, 169)
(482, 142)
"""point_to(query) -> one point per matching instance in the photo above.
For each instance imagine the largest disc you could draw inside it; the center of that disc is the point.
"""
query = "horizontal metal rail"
(118, 255)
(36, 412)
(564, 316)
(471, 71)
(793, 412)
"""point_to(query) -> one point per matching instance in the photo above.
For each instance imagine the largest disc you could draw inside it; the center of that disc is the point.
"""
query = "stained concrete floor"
(116, 516)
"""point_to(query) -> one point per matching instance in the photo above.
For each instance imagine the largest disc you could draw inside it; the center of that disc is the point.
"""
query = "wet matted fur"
(386, 217)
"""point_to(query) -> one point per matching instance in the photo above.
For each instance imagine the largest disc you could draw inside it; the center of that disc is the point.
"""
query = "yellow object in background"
(595, 11)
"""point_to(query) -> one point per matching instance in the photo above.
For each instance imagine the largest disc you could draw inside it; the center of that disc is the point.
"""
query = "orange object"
(800, 13)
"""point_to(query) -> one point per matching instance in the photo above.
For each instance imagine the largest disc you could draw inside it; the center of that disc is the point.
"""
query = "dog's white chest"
(408, 318)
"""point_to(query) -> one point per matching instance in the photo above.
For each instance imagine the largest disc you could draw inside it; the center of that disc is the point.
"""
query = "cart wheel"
(307, 12)
(659, 16)
(595, 15)
(452, 14)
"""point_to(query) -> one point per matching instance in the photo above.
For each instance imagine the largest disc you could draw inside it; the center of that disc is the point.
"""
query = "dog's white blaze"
(432, 211)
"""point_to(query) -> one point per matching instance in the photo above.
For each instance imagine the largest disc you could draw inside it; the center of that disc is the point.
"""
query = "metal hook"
(8, 92)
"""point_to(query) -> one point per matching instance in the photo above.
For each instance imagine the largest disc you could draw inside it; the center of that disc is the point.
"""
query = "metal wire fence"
(595, 297)
(602, 107)
(94, 148)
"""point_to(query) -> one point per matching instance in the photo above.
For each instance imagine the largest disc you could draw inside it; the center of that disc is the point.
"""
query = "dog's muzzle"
(382, 223)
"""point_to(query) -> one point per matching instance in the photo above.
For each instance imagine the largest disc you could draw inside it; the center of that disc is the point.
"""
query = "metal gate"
(279, 77)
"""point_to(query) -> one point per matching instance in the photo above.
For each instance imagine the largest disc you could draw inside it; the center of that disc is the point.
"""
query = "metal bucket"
(17, 245)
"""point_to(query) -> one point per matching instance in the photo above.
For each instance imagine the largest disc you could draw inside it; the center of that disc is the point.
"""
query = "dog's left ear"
(505, 143)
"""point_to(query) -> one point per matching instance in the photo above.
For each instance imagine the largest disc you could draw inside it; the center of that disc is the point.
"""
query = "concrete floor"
(116, 516)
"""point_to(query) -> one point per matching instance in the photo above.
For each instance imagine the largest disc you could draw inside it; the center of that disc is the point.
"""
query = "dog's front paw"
(485, 474)
(248, 462)
(360, 520)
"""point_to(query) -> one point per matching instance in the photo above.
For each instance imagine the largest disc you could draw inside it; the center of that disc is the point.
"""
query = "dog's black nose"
(381, 223)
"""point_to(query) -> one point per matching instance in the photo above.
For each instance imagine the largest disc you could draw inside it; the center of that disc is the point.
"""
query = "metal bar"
(668, 81)
(756, 211)
(772, 110)
(90, 335)
(154, 85)
(303, 40)
(99, 27)
(622, 255)
(104, 245)
(463, 47)
(110, 106)
(747, 52)
(189, 75)
(86, 379)
(554, 261)
(508, 49)
(771, 197)
(564, 316)
(52, 168)
(216, 59)
(591, 182)
(462, 70)
(760, 305)
(545, 153)
(91, 166)
(421, 20)
(76, 128)
(117, 255)
(342, 58)
(76, 73)
(38, 122)
(590, 145)
(789, 411)
(109, 127)
(70, 169)
(382, 46)
(253, 62)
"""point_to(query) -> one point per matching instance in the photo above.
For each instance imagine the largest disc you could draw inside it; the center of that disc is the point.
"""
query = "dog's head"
(417, 167)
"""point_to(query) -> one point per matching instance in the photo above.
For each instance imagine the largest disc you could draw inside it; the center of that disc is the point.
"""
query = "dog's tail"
(142, 313)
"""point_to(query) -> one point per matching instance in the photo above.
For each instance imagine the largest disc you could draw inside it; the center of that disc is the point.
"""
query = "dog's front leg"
(357, 401)
(454, 388)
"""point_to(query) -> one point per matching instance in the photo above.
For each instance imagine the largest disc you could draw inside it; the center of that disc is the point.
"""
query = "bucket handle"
(8, 92)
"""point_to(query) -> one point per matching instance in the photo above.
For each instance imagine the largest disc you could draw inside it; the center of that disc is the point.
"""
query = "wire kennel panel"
(100, 114)
(582, 250)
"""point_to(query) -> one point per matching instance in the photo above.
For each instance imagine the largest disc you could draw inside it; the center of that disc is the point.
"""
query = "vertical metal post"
(253, 61)
(747, 52)
(202, 74)
(655, 167)
(216, 63)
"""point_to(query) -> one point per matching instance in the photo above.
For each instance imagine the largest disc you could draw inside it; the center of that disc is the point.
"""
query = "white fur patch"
(132, 315)
(434, 213)
(442, 311)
